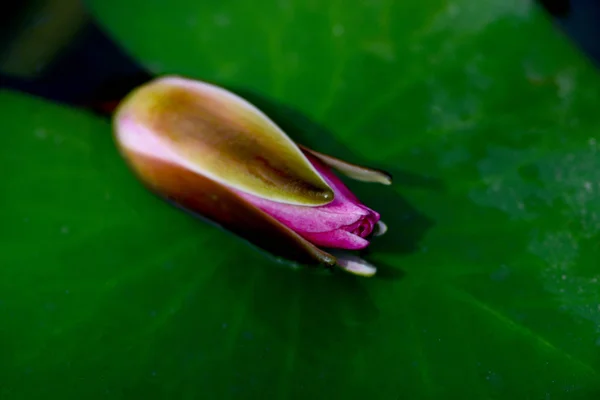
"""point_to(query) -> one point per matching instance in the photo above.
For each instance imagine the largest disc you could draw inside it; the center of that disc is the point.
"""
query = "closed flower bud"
(216, 155)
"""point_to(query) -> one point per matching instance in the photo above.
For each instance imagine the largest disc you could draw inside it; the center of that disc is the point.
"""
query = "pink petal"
(337, 239)
(343, 223)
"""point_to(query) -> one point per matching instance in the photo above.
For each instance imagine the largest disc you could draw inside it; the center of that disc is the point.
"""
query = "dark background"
(90, 68)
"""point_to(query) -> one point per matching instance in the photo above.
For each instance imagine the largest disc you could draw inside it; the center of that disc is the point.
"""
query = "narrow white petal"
(354, 264)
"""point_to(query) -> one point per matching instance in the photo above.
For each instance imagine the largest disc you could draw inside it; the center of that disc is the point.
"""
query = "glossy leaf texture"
(488, 275)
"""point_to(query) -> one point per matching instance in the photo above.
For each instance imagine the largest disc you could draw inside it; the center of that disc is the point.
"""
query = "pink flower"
(216, 155)
(344, 223)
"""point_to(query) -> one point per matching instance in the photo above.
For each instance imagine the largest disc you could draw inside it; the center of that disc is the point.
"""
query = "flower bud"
(216, 155)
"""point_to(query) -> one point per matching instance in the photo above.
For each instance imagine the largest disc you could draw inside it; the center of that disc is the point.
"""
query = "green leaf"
(488, 278)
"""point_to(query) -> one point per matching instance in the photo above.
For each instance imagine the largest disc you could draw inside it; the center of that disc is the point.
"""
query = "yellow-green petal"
(221, 136)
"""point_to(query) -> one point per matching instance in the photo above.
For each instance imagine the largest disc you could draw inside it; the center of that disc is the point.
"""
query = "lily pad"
(488, 284)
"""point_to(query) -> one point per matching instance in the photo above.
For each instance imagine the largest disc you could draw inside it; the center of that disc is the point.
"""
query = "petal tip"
(380, 228)
(323, 196)
(360, 269)
(354, 264)
(386, 178)
(381, 176)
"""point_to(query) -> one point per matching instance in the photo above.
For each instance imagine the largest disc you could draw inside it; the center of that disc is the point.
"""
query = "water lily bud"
(214, 154)
(343, 223)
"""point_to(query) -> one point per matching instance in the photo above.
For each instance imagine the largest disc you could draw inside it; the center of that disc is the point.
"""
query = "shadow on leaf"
(406, 225)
